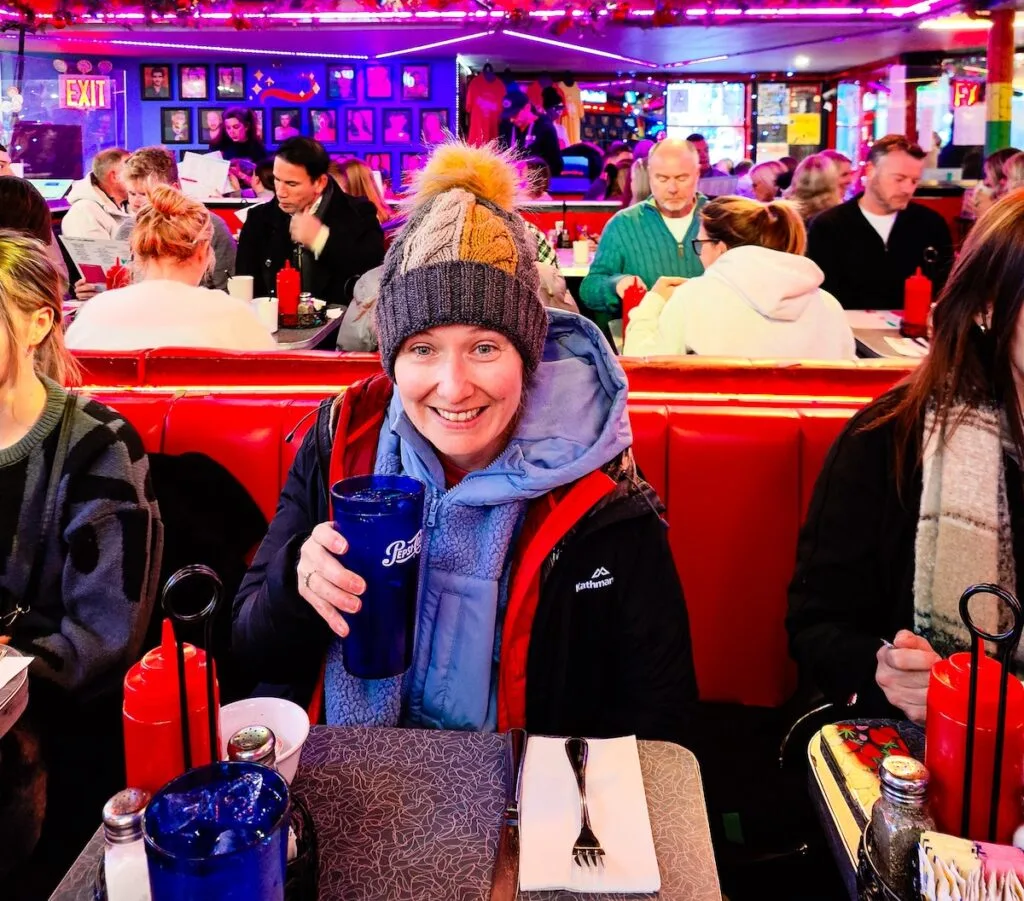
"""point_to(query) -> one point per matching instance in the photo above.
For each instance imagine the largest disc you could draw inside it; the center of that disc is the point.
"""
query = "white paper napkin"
(906, 347)
(11, 666)
(550, 819)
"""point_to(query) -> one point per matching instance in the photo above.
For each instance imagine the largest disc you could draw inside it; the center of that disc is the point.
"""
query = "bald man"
(653, 238)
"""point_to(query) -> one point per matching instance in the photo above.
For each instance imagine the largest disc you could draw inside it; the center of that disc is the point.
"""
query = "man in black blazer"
(869, 246)
(333, 237)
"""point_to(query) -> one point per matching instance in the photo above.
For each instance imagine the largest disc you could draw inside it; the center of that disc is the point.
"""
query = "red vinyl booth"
(735, 471)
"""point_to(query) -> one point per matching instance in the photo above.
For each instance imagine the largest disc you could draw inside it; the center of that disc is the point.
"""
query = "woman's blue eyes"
(484, 349)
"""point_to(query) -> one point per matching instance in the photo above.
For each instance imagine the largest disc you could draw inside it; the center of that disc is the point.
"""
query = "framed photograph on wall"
(341, 83)
(193, 82)
(359, 125)
(397, 125)
(410, 163)
(285, 123)
(211, 124)
(323, 125)
(155, 79)
(416, 82)
(380, 162)
(176, 125)
(378, 82)
(433, 126)
(230, 82)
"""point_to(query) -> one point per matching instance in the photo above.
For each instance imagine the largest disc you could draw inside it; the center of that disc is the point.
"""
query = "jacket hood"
(575, 421)
(84, 189)
(778, 285)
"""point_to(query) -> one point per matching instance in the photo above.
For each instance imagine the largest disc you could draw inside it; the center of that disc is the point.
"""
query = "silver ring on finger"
(307, 577)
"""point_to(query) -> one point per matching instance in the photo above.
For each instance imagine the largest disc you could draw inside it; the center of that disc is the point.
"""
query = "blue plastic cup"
(381, 518)
(218, 833)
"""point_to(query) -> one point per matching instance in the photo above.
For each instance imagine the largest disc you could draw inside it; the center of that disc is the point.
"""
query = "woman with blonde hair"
(639, 183)
(758, 297)
(80, 548)
(356, 179)
(1014, 171)
(165, 307)
(815, 186)
(996, 183)
(763, 180)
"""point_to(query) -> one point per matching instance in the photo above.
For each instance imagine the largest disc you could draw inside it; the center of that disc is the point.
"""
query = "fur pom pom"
(483, 171)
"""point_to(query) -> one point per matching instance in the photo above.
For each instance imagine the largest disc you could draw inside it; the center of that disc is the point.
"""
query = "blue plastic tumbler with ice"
(381, 518)
(218, 833)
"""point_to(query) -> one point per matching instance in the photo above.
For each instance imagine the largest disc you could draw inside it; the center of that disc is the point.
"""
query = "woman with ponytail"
(165, 307)
(759, 296)
(80, 548)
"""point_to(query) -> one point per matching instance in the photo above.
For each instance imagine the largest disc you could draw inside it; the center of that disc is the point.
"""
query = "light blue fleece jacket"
(575, 422)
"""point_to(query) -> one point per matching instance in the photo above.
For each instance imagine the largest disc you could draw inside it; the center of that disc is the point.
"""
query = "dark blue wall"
(270, 84)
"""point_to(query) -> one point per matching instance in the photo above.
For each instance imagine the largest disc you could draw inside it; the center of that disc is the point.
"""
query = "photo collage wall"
(386, 113)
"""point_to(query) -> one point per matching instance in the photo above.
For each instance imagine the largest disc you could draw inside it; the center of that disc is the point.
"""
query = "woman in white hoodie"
(758, 296)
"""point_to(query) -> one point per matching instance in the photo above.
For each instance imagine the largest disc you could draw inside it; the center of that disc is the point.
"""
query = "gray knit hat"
(462, 257)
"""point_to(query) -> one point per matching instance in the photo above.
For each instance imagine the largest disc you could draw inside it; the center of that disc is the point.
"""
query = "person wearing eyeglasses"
(869, 246)
(758, 297)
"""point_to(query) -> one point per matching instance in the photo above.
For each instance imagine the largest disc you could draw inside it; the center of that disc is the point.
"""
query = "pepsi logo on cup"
(401, 551)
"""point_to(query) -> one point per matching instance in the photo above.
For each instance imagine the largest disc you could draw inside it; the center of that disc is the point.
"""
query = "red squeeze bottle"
(288, 290)
(917, 301)
(152, 719)
(633, 294)
(946, 747)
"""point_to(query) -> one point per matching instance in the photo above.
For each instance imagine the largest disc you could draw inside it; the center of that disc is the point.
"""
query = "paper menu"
(204, 174)
(95, 258)
(11, 667)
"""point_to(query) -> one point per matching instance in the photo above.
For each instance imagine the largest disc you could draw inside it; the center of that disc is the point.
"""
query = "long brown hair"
(970, 364)
(29, 282)
(355, 178)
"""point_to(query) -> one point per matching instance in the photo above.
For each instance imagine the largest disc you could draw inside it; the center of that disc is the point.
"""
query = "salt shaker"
(306, 310)
(898, 818)
(124, 861)
(254, 744)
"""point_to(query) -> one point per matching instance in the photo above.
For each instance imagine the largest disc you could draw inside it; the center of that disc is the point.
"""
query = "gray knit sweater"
(92, 589)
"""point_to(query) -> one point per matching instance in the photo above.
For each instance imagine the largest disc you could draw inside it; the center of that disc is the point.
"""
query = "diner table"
(877, 333)
(568, 265)
(319, 337)
(841, 818)
(414, 815)
(13, 695)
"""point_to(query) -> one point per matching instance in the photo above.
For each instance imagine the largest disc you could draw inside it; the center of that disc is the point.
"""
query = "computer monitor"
(51, 188)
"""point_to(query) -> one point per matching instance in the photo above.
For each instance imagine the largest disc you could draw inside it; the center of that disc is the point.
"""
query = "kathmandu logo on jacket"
(400, 551)
(600, 579)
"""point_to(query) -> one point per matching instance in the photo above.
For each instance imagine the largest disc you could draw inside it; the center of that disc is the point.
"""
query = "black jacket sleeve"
(359, 246)
(251, 254)
(855, 563)
(943, 243)
(825, 249)
(277, 636)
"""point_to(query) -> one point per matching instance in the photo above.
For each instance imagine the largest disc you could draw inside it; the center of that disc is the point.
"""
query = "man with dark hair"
(533, 134)
(263, 179)
(331, 237)
(700, 144)
(869, 246)
(617, 152)
(5, 161)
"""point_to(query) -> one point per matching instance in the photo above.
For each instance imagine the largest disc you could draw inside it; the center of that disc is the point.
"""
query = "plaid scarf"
(963, 530)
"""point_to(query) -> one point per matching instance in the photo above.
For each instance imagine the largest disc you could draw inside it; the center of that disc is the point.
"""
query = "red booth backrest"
(735, 480)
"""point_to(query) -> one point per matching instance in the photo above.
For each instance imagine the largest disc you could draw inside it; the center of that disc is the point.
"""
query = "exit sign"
(85, 92)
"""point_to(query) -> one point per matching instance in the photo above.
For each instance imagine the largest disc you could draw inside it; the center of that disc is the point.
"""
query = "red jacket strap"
(353, 453)
(559, 515)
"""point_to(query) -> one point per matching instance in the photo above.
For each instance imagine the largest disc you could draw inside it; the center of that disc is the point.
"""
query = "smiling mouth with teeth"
(458, 416)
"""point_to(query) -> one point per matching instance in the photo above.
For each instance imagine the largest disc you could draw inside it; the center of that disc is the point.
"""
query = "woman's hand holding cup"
(324, 582)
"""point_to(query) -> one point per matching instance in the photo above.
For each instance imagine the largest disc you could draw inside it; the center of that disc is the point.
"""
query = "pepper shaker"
(898, 818)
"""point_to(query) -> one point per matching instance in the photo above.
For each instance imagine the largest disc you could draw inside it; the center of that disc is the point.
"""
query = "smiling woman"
(472, 402)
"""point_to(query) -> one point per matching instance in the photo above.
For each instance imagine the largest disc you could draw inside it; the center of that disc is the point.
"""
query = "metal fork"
(587, 851)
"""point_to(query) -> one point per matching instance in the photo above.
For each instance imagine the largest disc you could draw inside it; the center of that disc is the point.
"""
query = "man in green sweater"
(652, 239)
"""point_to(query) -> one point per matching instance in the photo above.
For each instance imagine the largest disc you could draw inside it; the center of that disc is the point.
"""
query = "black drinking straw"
(205, 615)
(1006, 646)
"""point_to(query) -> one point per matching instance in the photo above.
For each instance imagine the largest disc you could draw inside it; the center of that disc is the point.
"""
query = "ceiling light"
(963, 23)
(802, 61)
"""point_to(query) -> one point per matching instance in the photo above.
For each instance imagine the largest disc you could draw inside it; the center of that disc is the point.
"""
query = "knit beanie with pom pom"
(462, 258)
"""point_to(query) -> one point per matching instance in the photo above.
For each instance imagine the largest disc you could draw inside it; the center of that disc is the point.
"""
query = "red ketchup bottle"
(152, 714)
(289, 286)
(632, 296)
(917, 302)
(946, 745)
(118, 276)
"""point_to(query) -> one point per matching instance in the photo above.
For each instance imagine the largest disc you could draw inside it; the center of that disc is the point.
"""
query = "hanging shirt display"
(572, 115)
(484, 102)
